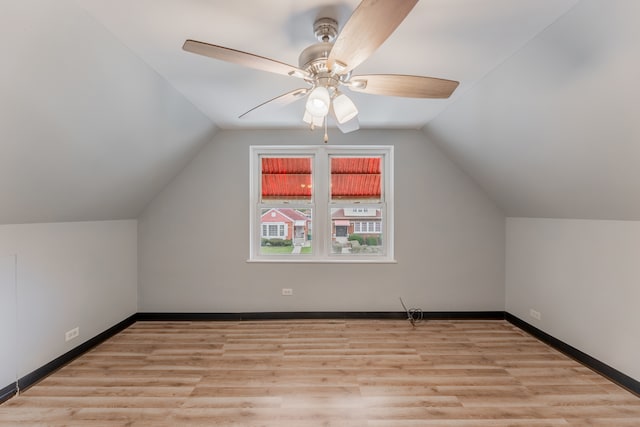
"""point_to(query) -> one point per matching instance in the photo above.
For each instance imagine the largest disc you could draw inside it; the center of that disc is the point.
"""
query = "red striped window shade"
(286, 178)
(351, 178)
(355, 178)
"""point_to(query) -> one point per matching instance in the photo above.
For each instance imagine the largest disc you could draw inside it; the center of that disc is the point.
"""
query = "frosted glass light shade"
(344, 108)
(316, 121)
(318, 102)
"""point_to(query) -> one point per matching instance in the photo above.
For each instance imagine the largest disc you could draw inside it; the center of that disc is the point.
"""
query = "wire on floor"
(414, 315)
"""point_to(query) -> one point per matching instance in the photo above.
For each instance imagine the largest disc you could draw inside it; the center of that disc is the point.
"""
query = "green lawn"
(278, 250)
(275, 250)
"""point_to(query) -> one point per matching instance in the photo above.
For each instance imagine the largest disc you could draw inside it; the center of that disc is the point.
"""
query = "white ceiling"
(100, 108)
(454, 39)
(87, 130)
(554, 131)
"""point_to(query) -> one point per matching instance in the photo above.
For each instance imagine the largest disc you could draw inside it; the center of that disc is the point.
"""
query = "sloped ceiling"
(554, 131)
(88, 131)
(454, 39)
(100, 107)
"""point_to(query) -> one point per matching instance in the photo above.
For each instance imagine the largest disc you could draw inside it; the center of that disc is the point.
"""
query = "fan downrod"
(325, 29)
(313, 59)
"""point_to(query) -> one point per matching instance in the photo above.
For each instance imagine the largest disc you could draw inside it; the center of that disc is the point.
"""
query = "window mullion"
(322, 230)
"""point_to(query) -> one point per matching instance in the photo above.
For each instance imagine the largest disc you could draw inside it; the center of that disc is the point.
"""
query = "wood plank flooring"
(323, 373)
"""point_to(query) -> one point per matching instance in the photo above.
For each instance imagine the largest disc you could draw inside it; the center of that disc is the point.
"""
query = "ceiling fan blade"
(369, 26)
(281, 101)
(402, 85)
(243, 58)
(348, 126)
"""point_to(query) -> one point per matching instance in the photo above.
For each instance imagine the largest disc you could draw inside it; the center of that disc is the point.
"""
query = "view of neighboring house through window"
(285, 181)
(321, 203)
(355, 181)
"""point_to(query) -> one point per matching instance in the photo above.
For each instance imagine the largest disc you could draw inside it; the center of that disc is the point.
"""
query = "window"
(321, 203)
(273, 231)
(367, 227)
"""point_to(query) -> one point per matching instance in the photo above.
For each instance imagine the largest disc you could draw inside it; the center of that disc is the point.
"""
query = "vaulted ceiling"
(460, 40)
(100, 107)
(554, 131)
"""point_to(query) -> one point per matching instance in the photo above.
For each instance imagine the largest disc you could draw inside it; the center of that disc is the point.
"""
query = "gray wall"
(582, 276)
(68, 274)
(194, 244)
(8, 356)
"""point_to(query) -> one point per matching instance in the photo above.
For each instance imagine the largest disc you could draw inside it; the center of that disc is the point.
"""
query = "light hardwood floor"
(323, 373)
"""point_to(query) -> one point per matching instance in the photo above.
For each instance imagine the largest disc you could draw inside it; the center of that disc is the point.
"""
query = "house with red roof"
(285, 223)
(364, 221)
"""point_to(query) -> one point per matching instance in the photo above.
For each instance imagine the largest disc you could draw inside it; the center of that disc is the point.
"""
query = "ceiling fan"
(327, 66)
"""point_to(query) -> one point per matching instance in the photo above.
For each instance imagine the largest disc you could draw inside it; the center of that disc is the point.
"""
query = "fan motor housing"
(314, 58)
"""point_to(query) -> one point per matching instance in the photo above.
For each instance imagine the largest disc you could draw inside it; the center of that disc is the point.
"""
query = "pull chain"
(326, 136)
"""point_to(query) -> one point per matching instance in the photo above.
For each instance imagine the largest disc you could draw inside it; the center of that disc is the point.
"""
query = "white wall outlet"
(535, 314)
(287, 291)
(72, 333)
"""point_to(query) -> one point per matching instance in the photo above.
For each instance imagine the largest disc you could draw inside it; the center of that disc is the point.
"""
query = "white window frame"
(320, 203)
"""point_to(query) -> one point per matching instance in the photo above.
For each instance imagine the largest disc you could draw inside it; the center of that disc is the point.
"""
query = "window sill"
(323, 261)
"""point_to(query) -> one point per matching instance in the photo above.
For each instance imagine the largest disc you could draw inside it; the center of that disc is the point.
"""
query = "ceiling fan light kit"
(327, 65)
(344, 108)
(318, 102)
(313, 121)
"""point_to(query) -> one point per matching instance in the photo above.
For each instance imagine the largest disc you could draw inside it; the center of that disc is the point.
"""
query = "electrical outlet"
(535, 314)
(287, 291)
(72, 333)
